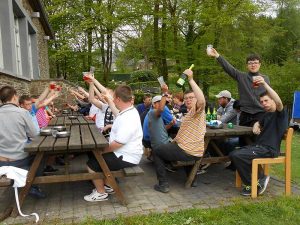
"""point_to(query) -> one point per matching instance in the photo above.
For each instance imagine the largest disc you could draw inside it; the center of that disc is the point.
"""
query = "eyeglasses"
(253, 63)
(191, 97)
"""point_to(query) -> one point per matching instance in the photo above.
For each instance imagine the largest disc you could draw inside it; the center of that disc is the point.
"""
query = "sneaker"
(164, 188)
(262, 184)
(36, 193)
(201, 171)
(95, 196)
(50, 169)
(246, 191)
(205, 166)
(109, 190)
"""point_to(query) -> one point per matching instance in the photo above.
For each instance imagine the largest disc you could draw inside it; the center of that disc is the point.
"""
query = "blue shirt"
(141, 108)
(34, 119)
(166, 116)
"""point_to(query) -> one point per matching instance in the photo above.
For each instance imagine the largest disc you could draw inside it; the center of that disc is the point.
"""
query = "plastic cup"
(85, 78)
(161, 81)
(230, 125)
(208, 49)
(254, 82)
(52, 86)
(58, 88)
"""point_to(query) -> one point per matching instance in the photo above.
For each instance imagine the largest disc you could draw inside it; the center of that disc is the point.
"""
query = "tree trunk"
(156, 37)
(164, 66)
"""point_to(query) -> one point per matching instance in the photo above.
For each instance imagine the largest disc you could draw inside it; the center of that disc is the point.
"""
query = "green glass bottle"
(208, 115)
(214, 115)
(181, 81)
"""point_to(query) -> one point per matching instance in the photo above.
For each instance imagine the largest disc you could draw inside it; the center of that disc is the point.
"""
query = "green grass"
(278, 169)
(285, 211)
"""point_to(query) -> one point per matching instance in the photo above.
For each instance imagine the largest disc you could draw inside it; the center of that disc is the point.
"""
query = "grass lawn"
(278, 169)
(279, 211)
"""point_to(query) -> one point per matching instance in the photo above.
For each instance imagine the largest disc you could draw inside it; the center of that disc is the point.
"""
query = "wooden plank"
(81, 120)
(61, 143)
(99, 139)
(68, 121)
(73, 177)
(89, 121)
(87, 138)
(133, 171)
(60, 121)
(75, 139)
(34, 145)
(52, 122)
(47, 144)
(6, 182)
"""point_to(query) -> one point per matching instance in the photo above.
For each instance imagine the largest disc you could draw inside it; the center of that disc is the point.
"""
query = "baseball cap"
(156, 98)
(224, 93)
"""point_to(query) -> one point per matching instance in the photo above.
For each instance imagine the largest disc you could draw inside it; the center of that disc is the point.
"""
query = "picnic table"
(83, 138)
(210, 136)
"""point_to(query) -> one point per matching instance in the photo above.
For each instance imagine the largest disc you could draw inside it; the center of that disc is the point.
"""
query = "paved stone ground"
(65, 203)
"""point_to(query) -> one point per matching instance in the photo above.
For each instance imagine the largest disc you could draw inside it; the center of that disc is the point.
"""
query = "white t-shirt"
(100, 116)
(127, 130)
(93, 110)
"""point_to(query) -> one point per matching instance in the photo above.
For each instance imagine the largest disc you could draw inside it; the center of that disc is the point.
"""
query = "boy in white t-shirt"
(125, 144)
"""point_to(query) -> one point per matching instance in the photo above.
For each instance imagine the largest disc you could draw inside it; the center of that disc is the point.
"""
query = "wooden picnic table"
(64, 119)
(217, 134)
(83, 138)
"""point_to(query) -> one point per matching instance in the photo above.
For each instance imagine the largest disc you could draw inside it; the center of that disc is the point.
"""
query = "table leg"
(109, 176)
(30, 178)
(193, 172)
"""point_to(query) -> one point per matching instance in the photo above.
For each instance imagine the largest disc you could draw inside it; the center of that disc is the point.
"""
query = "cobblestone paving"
(65, 204)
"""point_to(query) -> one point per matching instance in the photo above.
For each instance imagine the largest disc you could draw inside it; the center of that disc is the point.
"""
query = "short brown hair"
(7, 93)
(179, 95)
(124, 92)
(24, 98)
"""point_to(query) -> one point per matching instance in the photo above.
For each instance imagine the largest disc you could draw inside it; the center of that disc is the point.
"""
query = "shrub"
(143, 76)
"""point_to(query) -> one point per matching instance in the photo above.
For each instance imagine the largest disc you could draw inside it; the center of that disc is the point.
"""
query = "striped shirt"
(190, 136)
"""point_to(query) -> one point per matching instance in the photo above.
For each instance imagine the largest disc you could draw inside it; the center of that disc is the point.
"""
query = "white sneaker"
(108, 189)
(95, 196)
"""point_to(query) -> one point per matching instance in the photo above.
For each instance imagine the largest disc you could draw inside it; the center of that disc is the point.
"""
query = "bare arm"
(200, 105)
(41, 98)
(111, 104)
(76, 94)
(92, 98)
(47, 101)
(113, 146)
(85, 93)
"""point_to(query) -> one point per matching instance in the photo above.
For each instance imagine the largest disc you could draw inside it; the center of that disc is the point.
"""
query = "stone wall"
(21, 85)
(41, 43)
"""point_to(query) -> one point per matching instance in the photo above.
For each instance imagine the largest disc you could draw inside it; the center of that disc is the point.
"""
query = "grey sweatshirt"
(15, 127)
(249, 96)
(228, 113)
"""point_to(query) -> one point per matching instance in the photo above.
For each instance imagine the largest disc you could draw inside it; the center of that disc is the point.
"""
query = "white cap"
(224, 93)
(156, 98)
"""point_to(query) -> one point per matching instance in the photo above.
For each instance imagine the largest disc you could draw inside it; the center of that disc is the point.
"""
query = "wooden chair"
(285, 159)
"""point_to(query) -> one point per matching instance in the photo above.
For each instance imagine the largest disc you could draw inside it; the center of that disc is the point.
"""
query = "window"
(1, 51)
(17, 46)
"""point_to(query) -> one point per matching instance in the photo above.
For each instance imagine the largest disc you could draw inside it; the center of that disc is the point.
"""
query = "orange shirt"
(190, 136)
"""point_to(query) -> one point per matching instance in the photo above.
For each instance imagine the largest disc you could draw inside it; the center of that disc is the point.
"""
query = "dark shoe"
(246, 191)
(262, 184)
(164, 188)
(231, 167)
(36, 193)
(50, 169)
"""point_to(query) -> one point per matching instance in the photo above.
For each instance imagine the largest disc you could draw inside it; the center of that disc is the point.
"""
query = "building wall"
(21, 85)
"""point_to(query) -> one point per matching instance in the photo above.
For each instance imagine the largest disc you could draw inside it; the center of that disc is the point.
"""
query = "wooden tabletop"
(66, 120)
(83, 138)
(224, 132)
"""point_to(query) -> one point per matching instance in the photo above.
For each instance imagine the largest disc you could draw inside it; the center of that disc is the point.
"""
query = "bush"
(143, 76)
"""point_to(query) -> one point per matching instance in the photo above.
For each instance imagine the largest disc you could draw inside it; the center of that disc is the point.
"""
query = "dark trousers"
(242, 159)
(168, 152)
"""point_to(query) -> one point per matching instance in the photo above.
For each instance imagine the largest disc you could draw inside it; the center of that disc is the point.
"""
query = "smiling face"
(189, 100)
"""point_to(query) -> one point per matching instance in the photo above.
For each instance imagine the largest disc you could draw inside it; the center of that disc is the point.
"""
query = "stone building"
(24, 35)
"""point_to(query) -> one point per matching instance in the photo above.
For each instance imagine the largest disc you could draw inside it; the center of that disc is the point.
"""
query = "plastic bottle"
(214, 115)
(181, 81)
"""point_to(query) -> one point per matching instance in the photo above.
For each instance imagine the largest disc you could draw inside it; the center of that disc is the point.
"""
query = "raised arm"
(279, 106)
(92, 98)
(109, 100)
(42, 97)
(76, 94)
(85, 93)
(227, 67)
(200, 105)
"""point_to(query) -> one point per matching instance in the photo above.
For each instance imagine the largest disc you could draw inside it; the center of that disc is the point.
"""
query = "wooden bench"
(5, 182)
